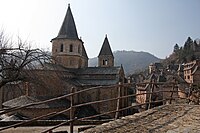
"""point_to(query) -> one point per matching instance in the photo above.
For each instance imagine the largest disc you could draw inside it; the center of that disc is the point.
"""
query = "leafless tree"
(15, 61)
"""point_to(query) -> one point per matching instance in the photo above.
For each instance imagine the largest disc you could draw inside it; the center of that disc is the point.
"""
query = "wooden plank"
(72, 110)
(118, 101)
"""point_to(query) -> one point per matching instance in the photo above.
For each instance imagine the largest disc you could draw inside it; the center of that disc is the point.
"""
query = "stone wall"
(68, 52)
(105, 61)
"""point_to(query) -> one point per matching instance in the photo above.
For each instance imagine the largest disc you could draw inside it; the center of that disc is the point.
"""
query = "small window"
(105, 62)
(71, 48)
(61, 48)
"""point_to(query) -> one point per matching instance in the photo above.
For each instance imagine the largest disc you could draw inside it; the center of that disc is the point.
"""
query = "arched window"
(105, 62)
(61, 48)
(70, 48)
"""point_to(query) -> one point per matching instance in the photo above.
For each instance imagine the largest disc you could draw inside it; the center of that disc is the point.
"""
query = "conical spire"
(106, 49)
(68, 28)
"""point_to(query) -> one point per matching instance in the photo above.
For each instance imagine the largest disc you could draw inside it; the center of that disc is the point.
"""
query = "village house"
(192, 72)
(70, 69)
(164, 81)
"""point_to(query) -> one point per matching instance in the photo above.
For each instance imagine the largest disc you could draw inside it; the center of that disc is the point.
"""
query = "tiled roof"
(171, 118)
(99, 70)
(52, 66)
(172, 78)
(87, 76)
(97, 82)
(24, 100)
(14, 117)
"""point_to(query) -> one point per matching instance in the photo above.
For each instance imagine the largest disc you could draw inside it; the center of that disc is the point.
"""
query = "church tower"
(67, 49)
(106, 58)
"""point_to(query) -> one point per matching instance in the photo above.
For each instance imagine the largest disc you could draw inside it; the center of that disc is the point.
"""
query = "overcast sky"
(153, 26)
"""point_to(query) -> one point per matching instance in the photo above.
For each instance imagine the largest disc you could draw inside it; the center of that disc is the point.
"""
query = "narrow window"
(70, 48)
(61, 48)
(105, 62)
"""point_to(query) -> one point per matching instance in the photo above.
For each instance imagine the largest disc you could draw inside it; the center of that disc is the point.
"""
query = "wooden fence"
(73, 106)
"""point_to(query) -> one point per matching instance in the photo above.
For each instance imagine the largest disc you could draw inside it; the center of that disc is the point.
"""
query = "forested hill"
(132, 61)
(182, 54)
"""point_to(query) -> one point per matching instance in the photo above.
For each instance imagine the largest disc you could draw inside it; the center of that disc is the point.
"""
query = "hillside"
(132, 61)
(182, 54)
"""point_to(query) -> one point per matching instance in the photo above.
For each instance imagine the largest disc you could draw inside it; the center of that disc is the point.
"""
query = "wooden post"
(170, 102)
(72, 110)
(150, 95)
(1, 98)
(118, 101)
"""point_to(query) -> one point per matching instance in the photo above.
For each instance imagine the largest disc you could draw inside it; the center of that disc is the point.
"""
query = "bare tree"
(15, 62)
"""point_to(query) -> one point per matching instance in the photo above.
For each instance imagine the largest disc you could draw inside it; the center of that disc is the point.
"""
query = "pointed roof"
(68, 28)
(106, 49)
(84, 54)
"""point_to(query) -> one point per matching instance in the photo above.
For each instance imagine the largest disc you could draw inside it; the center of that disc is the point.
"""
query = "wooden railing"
(73, 106)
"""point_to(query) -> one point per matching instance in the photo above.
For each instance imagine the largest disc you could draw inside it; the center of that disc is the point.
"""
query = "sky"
(153, 26)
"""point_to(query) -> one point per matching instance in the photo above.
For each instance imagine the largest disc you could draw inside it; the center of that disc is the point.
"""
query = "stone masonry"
(164, 119)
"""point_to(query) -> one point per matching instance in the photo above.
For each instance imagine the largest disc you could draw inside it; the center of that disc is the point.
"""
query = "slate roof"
(23, 100)
(172, 78)
(99, 70)
(68, 28)
(106, 49)
(151, 78)
(96, 82)
(52, 66)
(161, 78)
(85, 111)
(14, 117)
(87, 76)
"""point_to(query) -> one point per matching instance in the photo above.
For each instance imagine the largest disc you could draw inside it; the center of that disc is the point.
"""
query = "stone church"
(70, 69)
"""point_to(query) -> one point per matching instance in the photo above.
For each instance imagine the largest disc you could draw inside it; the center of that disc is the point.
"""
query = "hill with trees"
(186, 53)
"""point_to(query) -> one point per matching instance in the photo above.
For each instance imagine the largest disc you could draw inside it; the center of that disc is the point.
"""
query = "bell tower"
(67, 49)
(106, 58)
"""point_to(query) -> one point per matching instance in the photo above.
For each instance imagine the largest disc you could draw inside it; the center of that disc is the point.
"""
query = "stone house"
(192, 72)
(147, 87)
(162, 83)
(70, 69)
(155, 68)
